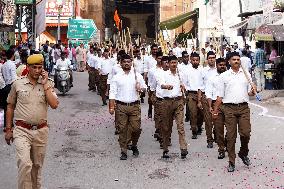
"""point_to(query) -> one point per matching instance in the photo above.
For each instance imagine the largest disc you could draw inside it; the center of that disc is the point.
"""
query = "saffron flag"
(116, 19)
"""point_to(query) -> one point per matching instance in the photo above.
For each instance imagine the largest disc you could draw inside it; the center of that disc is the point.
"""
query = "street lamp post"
(58, 28)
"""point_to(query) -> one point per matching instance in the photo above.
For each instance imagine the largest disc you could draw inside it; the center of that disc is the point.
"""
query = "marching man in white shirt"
(138, 63)
(152, 83)
(170, 92)
(211, 95)
(193, 81)
(124, 100)
(150, 62)
(234, 89)
(208, 72)
(105, 67)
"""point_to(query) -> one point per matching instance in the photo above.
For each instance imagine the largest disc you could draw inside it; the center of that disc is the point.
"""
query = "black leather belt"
(239, 104)
(191, 92)
(173, 98)
(128, 104)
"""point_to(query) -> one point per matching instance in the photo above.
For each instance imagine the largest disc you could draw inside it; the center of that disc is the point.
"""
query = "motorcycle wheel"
(64, 90)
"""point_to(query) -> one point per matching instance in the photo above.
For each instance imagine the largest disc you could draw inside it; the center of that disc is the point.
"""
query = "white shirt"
(208, 73)
(9, 72)
(159, 75)
(96, 62)
(193, 79)
(115, 70)
(123, 87)
(105, 66)
(139, 65)
(169, 79)
(91, 60)
(177, 51)
(63, 63)
(151, 76)
(212, 87)
(246, 63)
(182, 67)
(2, 81)
(150, 62)
(233, 87)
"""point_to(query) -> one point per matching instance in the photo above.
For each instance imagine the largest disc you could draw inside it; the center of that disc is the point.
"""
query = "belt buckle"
(34, 127)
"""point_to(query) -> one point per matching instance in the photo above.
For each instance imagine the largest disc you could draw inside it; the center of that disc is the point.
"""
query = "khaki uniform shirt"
(29, 100)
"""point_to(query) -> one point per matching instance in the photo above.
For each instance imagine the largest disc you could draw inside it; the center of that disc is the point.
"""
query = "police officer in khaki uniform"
(28, 102)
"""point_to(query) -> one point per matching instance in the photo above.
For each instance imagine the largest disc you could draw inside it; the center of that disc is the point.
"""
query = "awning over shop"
(240, 25)
(269, 33)
(177, 21)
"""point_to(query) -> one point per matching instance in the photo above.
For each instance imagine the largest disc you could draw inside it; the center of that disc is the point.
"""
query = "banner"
(40, 23)
(52, 8)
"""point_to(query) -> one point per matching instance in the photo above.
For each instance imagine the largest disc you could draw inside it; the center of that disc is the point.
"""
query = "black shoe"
(123, 156)
(72, 85)
(116, 132)
(186, 119)
(129, 146)
(135, 151)
(245, 160)
(161, 145)
(90, 89)
(149, 115)
(170, 142)
(199, 131)
(183, 154)
(221, 155)
(194, 136)
(210, 145)
(156, 135)
(231, 167)
(104, 104)
(142, 100)
(166, 154)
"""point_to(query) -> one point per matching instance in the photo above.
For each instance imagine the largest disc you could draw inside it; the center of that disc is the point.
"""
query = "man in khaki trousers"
(28, 102)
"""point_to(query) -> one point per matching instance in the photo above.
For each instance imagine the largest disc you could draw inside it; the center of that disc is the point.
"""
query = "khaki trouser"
(97, 79)
(207, 119)
(219, 126)
(128, 118)
(237, 117)
(173, 109)
(150, 102)
(196, 115)
(30, 150)
(92, 79)
(103, 87)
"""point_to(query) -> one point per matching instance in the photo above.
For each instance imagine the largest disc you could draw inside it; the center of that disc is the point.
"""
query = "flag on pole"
(206, 2)
(116, 19)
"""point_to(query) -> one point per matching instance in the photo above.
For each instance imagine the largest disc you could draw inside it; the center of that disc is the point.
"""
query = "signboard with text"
(52, 8)
(23, 2)
(81, 29)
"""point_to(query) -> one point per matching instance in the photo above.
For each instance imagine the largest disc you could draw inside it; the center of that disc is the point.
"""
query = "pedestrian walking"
(80, 57)
(259, 64)
(150, 62)
(233, 91)
(124, 99)
(10, 75)
(193, 81)
(28, 102)
(172, 107)
(211, 91)
(104, 67)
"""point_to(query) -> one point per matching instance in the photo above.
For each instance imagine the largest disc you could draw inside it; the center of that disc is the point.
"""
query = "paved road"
(83, 152)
